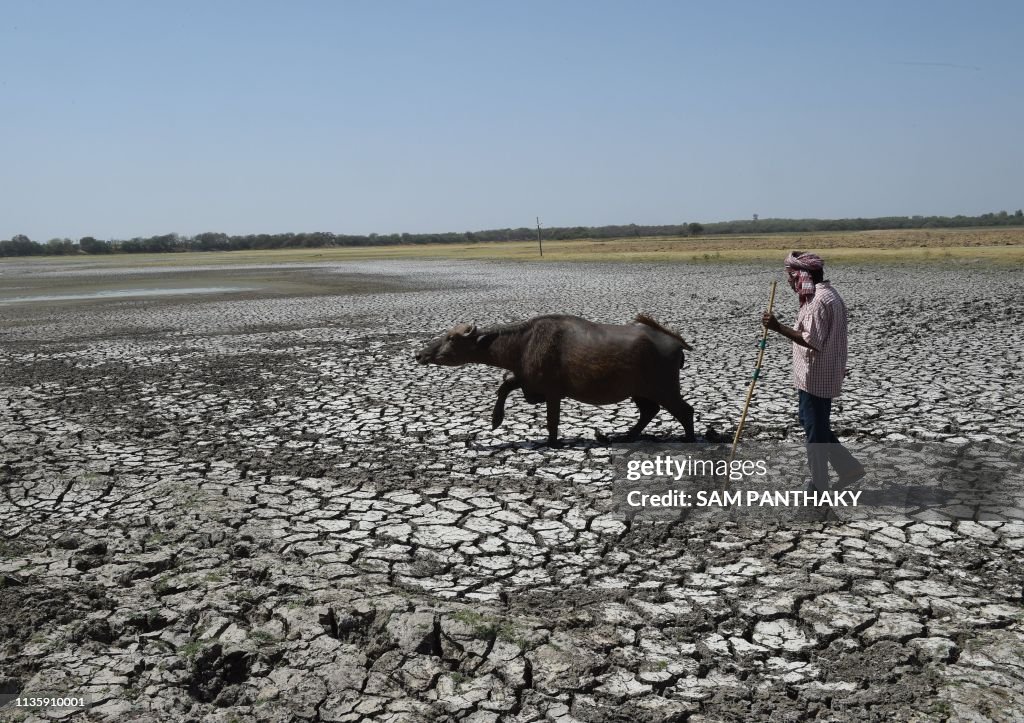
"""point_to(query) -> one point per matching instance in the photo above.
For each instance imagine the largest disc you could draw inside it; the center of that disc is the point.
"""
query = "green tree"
(22, 245)
(211, 241)
(90, 245)
(60, 247)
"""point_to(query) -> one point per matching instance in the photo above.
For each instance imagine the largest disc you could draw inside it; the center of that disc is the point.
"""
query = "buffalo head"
(459, 345)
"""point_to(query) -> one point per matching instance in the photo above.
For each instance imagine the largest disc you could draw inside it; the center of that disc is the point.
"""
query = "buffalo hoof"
(615, 438)
(555, 443)
(711, 434)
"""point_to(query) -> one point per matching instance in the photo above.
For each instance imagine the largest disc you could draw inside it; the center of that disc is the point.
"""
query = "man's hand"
(769, 321)
(772, 324)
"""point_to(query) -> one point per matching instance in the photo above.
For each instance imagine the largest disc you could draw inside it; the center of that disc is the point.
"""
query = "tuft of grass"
(192, 648)
(163, 586)
(469, 617)
(483, 626)
(244, 597)
(261, 636)
(488, 627)
(10, 549)
(509, 633)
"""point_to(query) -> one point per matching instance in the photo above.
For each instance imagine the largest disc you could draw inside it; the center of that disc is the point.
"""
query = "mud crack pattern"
(262, 509)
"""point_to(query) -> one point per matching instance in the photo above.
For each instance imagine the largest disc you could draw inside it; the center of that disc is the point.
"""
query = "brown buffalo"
(556, 357)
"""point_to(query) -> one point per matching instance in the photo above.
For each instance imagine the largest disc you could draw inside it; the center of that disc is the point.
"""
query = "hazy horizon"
(125, 120)
(543, 228)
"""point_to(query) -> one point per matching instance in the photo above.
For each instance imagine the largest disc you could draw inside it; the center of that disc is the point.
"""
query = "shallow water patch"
(124, 293)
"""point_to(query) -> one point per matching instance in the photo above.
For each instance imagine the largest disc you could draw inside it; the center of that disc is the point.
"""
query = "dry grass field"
(989, 245)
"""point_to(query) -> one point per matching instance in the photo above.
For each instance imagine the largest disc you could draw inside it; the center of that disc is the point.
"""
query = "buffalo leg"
(554, 413)
(647, 411)
(684, 413)
(507, 387)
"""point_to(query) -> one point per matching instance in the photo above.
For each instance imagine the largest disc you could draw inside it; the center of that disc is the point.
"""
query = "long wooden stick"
(753, 381)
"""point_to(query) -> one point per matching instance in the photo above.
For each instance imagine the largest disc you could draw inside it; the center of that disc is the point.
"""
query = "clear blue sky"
(123, 119)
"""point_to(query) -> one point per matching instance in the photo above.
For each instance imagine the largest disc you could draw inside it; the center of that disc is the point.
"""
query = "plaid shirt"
(822, 323)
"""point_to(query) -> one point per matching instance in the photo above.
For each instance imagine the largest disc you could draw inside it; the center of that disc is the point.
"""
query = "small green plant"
(509, 633)
(483, 627)
(487, 627)
(469, 617)
(941, 708)
(192, 648)
(261, 636)
(243, 597)
(11, 549)
(163, 586)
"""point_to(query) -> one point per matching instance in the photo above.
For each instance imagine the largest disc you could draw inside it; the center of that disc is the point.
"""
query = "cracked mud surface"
(260, 508)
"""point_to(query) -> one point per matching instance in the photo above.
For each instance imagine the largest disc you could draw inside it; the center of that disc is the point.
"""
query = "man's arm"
(769, 321)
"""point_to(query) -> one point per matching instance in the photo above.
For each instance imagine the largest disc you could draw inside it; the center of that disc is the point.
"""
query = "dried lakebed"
(260, 508)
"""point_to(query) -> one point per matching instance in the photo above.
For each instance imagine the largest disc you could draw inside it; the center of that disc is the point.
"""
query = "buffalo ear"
(484, 340)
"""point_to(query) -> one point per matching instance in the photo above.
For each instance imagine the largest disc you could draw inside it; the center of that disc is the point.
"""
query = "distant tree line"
(21, 245)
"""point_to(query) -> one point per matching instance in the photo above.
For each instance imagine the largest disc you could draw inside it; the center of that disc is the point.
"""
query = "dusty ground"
(253, 505)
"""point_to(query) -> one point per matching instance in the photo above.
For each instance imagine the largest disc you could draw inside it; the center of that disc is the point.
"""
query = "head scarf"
(799, 267)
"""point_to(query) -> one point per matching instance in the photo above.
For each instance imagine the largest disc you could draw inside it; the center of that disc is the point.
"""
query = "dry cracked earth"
(257, 507)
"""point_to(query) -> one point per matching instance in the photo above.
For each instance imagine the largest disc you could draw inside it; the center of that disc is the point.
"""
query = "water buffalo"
(556, 357)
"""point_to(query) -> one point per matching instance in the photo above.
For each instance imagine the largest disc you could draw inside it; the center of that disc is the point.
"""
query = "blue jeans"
(823, 447)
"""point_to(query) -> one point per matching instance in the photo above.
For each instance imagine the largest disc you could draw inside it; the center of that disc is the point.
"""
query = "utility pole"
(539, 244)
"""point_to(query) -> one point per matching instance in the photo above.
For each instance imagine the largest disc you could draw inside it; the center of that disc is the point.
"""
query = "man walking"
(819, 365)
